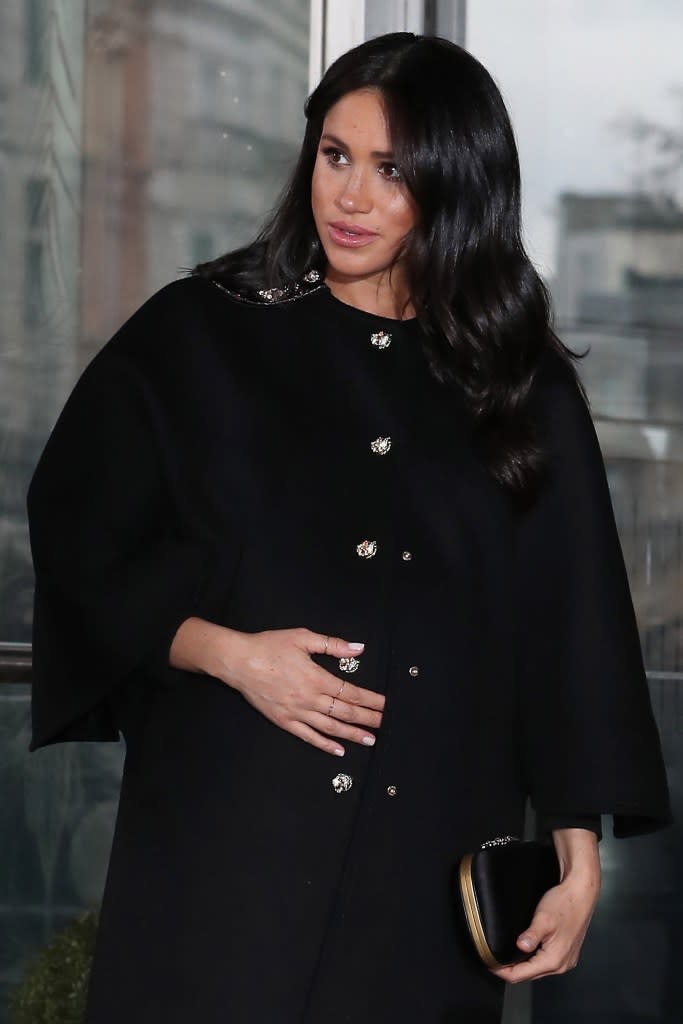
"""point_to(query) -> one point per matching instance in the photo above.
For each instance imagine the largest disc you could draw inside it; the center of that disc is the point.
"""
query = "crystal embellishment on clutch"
(499, 841)
(381, 445)
(367, 548)
(381, 339)
(348, 664)
(342, 783)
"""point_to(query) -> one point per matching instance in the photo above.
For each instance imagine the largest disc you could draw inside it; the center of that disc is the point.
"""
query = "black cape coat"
(215, 460)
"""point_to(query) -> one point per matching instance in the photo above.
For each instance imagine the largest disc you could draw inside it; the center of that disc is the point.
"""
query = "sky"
(568, 69)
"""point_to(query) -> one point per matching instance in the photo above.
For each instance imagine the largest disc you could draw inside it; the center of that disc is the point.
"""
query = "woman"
(324, 530)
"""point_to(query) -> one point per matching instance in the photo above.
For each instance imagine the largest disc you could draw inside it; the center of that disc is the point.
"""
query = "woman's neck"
(381, 297)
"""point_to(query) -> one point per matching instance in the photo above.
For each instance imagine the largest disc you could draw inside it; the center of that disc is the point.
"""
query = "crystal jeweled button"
(413, 671)
(406, 556)
(392, 790)
(342, 783)
(381, 339)
(381, 445)
(348, 664)
(367, 548)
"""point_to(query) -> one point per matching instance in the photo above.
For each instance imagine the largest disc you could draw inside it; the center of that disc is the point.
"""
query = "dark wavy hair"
(485, 311)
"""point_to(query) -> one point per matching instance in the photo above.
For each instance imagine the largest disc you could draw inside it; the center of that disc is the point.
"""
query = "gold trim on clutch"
(469, 899)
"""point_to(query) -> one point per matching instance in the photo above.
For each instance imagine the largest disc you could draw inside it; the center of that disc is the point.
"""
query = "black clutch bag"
(500, 886)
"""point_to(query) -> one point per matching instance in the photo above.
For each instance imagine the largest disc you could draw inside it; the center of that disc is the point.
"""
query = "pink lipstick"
(350, 235)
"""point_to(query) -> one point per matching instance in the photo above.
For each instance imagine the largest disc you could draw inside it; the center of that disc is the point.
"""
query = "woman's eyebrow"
(336, 141)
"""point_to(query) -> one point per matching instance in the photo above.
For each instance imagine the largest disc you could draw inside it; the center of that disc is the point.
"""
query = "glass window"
(595, 97)
(594, 91)
(35, 200)
(35, 39)
(137, 140)
(34, 283)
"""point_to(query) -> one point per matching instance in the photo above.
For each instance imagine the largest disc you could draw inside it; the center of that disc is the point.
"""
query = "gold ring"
(341, 688)
(331, 706)
(327, 644)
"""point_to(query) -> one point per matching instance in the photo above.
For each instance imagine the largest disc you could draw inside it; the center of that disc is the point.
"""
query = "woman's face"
(362, 209)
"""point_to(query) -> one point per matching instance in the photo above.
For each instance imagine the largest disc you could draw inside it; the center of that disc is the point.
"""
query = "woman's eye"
(390, 171)
(334, 156)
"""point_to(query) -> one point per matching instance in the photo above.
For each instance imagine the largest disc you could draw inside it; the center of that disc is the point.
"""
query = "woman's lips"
(350, 235)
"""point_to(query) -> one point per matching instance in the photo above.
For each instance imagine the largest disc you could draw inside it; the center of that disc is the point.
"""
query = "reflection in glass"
(137, 139)
(595, 92)
(57, 811)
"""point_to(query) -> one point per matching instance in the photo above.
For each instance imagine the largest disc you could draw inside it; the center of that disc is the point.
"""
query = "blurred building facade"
(619, 291)
(192, 118)
(136, 139)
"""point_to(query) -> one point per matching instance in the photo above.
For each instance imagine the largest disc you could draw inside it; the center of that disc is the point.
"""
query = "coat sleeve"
(589, 742)
(545, 824)
(114, 577)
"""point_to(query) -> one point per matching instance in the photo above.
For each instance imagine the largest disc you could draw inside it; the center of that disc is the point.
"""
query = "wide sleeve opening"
(114, 575)
(589, 742)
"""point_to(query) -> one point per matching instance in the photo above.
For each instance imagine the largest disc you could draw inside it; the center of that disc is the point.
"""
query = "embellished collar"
(311, 282)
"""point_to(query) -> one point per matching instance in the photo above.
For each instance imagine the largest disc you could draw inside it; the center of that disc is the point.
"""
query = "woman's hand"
(561, 920)
(273, 670)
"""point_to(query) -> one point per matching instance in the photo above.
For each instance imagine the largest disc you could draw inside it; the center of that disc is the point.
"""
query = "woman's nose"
(355, 197)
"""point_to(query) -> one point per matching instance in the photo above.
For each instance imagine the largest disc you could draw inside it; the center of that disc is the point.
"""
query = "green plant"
(55, 984)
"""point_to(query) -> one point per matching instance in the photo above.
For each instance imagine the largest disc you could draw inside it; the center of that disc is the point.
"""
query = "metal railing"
(666, 687)
(15, 663)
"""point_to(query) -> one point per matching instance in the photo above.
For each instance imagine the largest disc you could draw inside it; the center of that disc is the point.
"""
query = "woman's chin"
(351, 266)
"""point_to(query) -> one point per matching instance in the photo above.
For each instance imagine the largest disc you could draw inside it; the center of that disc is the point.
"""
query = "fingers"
(529, 940)
(543, 962)
(305, 732)
(356, 695)
(361, 707)
(317, 724)
(346, 712)
(554, 951)
(317, 727)
(541, 930)
(318, 643)
(305, 709)
(337, 725)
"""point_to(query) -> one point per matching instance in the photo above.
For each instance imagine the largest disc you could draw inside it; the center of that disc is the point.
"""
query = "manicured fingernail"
(368, 740)
(526, 943)
(356, 647)
(339, 751)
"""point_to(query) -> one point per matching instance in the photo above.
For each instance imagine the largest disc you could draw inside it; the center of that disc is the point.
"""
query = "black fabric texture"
(215, 460)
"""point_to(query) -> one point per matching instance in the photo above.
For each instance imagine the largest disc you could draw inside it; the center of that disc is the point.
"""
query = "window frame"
(337, 25)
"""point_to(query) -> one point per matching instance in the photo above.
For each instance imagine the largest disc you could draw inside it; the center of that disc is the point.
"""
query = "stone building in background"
(192, 119)
(619, 289)
(135, 140)
(41, 73)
